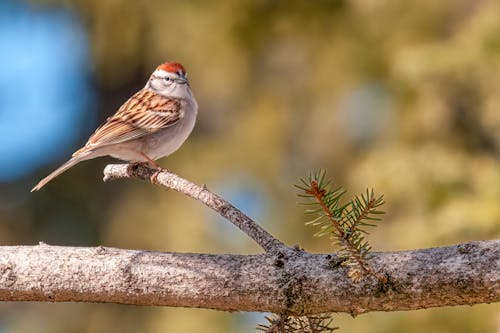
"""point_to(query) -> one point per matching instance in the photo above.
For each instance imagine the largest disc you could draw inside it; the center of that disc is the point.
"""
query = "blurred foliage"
(403, 96)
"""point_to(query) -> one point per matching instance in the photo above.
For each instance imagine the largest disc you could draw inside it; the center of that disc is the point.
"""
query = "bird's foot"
(132, 166)
(154, 176)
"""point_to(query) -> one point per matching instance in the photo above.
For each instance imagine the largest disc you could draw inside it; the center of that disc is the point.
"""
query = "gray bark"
(292, 281)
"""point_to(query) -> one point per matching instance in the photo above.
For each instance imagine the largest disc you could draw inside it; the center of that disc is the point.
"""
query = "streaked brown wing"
(143, 114)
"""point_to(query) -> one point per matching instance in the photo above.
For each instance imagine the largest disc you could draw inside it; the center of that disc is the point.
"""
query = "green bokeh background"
(401, 96)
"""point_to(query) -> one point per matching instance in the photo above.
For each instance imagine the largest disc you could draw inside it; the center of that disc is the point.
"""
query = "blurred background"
(401, 96)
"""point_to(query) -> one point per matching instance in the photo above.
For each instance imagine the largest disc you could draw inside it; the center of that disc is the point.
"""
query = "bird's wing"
(144, 113)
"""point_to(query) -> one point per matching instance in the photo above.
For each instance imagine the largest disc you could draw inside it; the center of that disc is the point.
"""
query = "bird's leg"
(154, 177)
(150, 161)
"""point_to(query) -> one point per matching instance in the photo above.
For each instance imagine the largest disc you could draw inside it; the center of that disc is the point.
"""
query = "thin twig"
(201, 193)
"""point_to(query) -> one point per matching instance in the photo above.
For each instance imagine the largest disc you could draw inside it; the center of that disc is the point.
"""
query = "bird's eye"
(167, 79)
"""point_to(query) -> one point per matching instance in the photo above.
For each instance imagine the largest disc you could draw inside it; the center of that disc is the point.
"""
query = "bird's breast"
(168, 140)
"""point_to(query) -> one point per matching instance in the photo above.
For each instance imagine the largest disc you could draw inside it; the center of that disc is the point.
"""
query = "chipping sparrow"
(152, 124)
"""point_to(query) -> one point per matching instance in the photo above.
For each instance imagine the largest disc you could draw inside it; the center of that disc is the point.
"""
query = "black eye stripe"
(166, 78)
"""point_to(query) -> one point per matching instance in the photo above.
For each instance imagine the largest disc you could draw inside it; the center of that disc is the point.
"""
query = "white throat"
(174, 90)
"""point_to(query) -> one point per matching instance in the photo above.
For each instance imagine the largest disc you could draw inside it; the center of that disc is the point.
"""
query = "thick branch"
(289, 282)
(221, 206)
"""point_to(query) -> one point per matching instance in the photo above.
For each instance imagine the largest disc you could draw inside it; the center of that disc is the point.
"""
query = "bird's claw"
(154, 176)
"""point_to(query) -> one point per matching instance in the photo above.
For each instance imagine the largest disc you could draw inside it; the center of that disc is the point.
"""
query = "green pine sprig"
(345, 223)
(320, 323)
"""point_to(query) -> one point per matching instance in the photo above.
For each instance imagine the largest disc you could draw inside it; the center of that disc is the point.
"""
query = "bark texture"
(292, 281)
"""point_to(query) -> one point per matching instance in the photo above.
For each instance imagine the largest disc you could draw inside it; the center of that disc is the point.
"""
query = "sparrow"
(152, 124)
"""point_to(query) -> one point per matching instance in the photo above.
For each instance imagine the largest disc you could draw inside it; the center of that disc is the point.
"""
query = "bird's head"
(169, 79)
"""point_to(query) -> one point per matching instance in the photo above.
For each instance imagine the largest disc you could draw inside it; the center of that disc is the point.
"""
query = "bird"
(151, 124)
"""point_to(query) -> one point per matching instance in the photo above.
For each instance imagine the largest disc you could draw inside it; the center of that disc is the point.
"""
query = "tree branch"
(282, 280)
(289, 282)
(213, 201)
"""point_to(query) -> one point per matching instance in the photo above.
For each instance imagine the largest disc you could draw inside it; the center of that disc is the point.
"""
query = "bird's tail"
(74, 160)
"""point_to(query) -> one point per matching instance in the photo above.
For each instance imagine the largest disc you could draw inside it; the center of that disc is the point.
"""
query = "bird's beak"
(181, 80)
